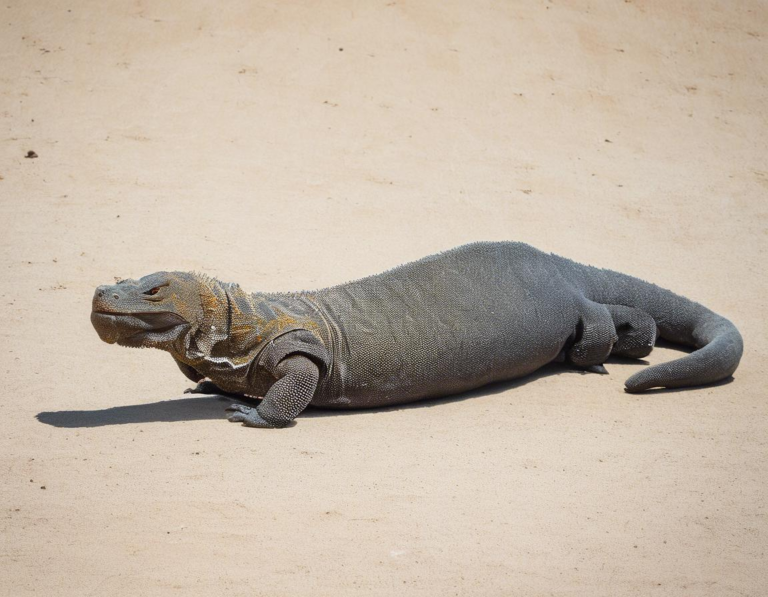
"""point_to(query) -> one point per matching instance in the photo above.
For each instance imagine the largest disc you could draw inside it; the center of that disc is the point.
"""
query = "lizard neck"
(234, 326)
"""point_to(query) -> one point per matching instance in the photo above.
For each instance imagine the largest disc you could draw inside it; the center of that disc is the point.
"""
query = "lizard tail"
(719, 351)
(718, 344)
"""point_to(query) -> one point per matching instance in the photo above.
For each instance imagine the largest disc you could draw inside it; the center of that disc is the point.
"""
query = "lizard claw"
(237, 407)
(204, 387)
(246, 415)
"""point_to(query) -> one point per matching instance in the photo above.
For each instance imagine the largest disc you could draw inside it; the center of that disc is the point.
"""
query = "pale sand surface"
(288, 145)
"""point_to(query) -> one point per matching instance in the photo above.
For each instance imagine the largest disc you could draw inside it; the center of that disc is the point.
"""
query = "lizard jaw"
(137, 329)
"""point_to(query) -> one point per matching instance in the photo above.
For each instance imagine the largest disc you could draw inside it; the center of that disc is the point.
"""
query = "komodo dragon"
(447, 323)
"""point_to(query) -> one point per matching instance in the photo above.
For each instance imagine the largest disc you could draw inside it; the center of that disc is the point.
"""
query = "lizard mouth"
(135, 329)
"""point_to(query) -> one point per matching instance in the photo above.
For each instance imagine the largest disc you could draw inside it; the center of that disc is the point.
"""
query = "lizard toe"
(241, 408)
(204, 387)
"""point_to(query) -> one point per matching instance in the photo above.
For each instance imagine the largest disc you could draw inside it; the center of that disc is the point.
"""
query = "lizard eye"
(155, 290)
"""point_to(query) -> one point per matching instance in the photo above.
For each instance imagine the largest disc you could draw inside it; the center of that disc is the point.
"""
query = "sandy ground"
(289, 145)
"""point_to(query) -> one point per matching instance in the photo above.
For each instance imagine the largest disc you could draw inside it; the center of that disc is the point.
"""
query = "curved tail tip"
(632, 389)
(636, 384)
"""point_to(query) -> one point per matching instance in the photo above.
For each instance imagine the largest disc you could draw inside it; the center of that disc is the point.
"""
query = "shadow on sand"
(205, 407)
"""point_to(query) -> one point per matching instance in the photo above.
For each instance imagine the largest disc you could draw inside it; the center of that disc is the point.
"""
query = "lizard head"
(154, 311)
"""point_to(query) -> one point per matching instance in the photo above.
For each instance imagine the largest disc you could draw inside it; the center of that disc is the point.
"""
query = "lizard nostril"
(115, 296)
(100, 293)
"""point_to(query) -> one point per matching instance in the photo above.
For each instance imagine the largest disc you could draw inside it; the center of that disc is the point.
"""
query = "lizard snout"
(107, 298)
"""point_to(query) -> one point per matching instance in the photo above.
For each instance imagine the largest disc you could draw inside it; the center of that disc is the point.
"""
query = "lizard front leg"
(203, 386)
(189, 372)
(297, 378)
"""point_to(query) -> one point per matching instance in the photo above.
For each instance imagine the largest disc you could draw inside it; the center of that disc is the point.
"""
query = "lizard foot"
(204, 387)
(248, 416)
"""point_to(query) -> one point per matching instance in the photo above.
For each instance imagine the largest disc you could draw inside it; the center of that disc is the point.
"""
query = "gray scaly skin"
(445, 324)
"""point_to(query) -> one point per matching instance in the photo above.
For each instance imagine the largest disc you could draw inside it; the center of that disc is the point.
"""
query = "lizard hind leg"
(636, 330)
(594, 338)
